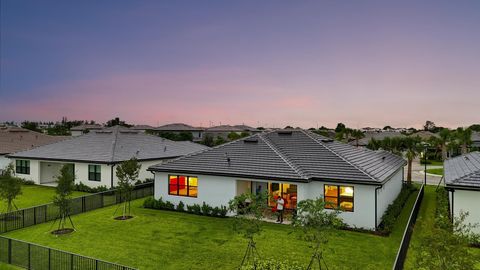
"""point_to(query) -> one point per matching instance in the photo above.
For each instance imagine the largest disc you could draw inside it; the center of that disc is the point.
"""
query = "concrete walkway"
(418, 173)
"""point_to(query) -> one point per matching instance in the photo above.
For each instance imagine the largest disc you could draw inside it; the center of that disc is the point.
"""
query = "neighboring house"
(15, 139)
(462, 180)
(224, 130)
(83, 129)
(94, 156)
(377, 136)
(295, 164)
(142, 128)
(177, 128)
(425, 135)
(476, 140)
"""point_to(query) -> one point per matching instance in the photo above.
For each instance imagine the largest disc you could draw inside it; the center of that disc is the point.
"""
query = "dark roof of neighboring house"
(14, 139)
(425, 134)
(476, 139)
(86, 127)
(377, 136)
(178, 127)
(463, 171)
(111, 146)
(295, 155)
(142, 127)
(229, 128)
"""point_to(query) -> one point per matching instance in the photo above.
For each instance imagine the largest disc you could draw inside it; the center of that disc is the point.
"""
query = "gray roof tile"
(294, 154)
(463, 170)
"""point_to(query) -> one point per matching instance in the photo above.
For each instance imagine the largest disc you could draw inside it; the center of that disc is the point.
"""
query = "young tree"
(127, 174)
(445, 136)
(464, 137)
(411, 147)
(10, 188)
(63, 198)
(315, 224)
(249, 210)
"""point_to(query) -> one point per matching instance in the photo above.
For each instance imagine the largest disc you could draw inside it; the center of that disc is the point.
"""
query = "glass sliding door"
(287, 191)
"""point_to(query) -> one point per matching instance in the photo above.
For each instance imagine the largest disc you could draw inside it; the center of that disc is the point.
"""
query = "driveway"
(418, 174)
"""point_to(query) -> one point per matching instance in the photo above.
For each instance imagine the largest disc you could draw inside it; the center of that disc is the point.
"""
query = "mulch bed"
(63, 231)
(123, 217)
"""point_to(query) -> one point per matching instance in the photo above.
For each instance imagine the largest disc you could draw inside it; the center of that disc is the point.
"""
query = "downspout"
(453, 200)
(111, 174)
(376, 189)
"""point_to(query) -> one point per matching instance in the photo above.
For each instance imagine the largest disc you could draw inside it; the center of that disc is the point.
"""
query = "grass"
(4, 266)
(33, 195)
(185, 241)
(438, 171)
(426, 221)
(432, 162)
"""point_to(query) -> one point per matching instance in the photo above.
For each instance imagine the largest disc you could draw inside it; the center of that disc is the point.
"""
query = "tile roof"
(377, 136)
(114, 145)
(14, 139)
(86, 127)
(142, 127)
(178, 127)
(296, 155)
(463, 171)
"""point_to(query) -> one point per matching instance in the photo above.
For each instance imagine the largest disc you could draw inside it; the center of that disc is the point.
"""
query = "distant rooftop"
(178, 127)
(230, 128)
(15, 139)
(86, 127)
(111, 146)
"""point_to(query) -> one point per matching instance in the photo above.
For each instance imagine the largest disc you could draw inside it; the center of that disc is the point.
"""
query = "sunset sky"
(262, 63)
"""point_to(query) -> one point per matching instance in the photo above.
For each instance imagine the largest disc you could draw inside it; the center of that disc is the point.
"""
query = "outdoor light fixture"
(425, 146)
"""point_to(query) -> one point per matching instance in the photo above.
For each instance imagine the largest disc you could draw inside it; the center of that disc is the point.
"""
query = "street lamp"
(425, 148)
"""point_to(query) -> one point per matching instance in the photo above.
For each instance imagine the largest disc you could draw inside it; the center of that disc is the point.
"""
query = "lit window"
(22, 166)
(181, 185)
(339, 197)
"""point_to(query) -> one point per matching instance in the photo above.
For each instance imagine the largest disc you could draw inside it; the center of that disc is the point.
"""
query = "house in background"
(476, 140)
(177, 128)
(462, 180)
(84, 129)
(15, 139)
(224, 130)
(142, 128)
(294, 164)
(95, 155)
(377, 136)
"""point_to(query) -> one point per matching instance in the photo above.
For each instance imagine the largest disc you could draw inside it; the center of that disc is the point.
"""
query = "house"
(462, 180)
(224, 130)
(476, 140)
(94, 156)
(377, 136)
(177, 128)
(15, 139)
(142, 128)
(295, 164)
(425, 135)
(83, 129)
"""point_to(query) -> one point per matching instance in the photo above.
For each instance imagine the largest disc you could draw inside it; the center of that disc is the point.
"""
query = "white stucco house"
(294, 164)
(462, 180)
(95, 155)
(15, 139)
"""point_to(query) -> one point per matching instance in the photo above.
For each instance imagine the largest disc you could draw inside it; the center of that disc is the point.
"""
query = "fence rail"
(407, 234)
(33, 256)
(44, 213)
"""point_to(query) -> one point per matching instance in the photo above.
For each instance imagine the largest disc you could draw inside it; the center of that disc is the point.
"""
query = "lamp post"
(425, 148)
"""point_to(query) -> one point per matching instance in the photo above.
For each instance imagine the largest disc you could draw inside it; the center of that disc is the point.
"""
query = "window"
(22, 166)
(181, 185)
(94, 173)
(287, 191)
(339, 197)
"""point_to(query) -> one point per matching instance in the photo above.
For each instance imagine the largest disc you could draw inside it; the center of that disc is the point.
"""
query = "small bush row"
(204, 209)
(84, 188)
(390, 216)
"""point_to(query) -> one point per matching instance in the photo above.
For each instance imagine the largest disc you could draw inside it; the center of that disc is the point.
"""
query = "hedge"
(390, 216)
(204, 209)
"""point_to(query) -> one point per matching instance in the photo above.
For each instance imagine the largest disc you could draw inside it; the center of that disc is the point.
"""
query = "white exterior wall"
(34, 171)
(388, 193)
(4, 161)
(219, 190)
(213, 190)
(81, 175)
(467, 201)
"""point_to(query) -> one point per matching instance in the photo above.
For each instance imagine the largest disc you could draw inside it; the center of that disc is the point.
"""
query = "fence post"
(9, 251)
(35, 216)
(49, 259)
(23, 218)
(29, 255)
(71, 261)
(46, 209)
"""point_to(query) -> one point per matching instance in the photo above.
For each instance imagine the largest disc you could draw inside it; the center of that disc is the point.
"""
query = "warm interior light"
(348, 191)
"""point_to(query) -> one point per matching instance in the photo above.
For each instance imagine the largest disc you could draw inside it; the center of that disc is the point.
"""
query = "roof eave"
(463, 187)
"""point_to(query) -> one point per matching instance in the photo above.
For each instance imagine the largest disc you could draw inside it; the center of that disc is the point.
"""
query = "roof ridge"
(114, 143)
(282, 156)
(337, 154)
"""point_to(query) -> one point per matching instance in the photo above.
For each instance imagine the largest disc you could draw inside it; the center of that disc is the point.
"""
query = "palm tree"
(411, 147)
(445, 136)
(464, 137)
(357, 135)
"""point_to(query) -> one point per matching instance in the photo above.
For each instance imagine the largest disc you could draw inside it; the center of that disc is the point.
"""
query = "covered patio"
(275, 190)
(50, 170)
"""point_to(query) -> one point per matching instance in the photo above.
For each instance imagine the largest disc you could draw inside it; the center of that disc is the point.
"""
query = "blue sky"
(270, 63)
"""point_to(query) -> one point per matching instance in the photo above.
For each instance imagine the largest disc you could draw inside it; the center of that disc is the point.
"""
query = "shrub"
(223, 211)
(27, 182)
(159, 204)
(84, 188)
(390, 216)
(181, 206)
(273, 265)
(190, 208)
(169, 206)
(149, 202)
(197, 209)
(206, 209)
(215, 211)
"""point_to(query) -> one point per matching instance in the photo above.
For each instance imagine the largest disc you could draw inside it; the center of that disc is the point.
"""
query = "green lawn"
(432, 162)
(4, 266)
(184, 241)
(425, 221)
(33, 195)
(438, 171)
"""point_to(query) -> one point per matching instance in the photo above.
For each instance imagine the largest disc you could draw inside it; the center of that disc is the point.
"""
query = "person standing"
(280, 207)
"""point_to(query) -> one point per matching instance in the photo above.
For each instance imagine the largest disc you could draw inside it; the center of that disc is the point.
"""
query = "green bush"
(169, 206)
(84, 188)
(206, 209)
(197, 209)
(223, 211)
(27, 182)
(181, 206)
(390, 216)
(149, 203)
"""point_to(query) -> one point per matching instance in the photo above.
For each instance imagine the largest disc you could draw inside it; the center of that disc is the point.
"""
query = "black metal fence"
(407, 234)
(43, 213)
(32, 256)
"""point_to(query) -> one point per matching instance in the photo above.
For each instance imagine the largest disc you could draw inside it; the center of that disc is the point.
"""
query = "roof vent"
(327, 140)
(466, 158)
(165, 149)
(228, 158)
(383, 158)
(284, 132)
(251, 140)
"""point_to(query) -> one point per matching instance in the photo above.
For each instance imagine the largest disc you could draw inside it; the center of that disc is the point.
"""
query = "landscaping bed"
(158, 237)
